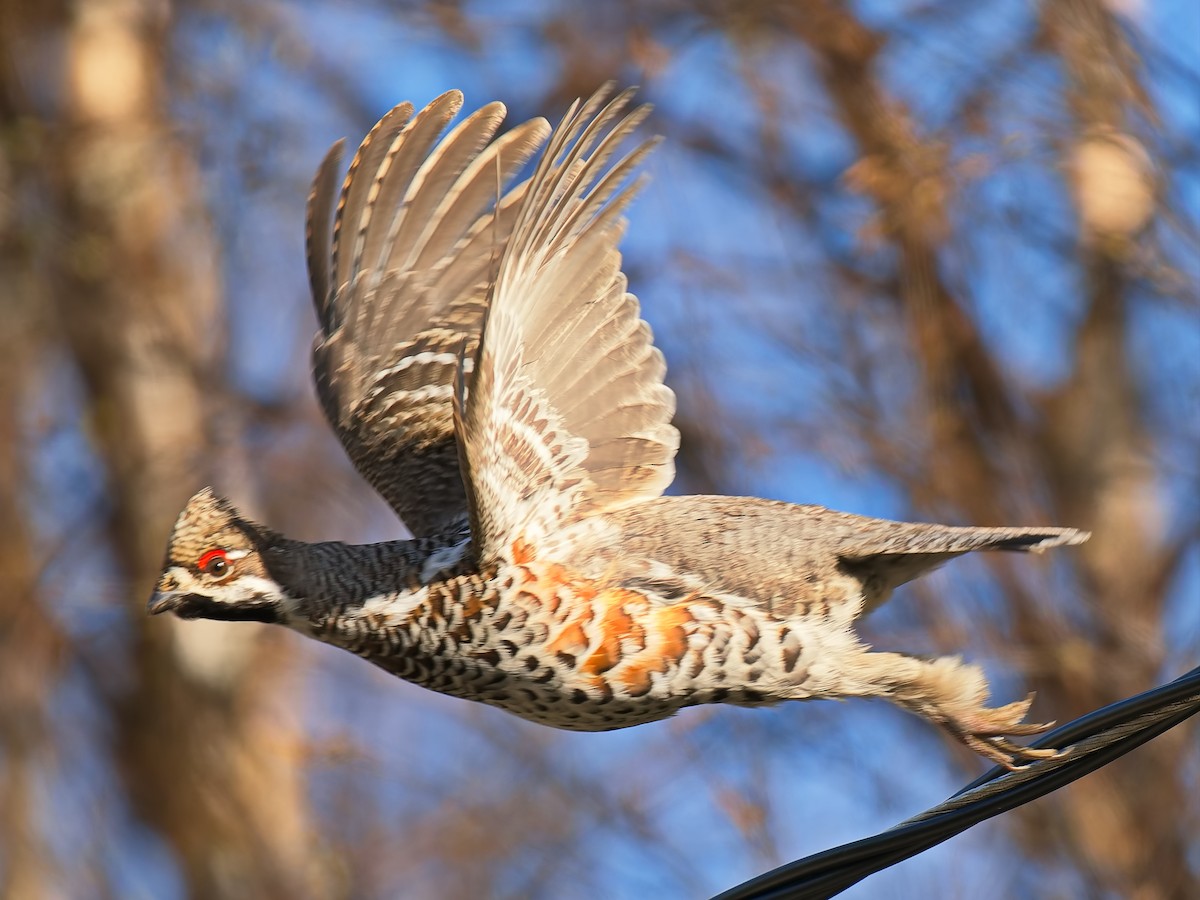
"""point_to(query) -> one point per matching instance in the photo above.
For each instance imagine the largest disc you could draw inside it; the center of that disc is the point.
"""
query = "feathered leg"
(952, 694)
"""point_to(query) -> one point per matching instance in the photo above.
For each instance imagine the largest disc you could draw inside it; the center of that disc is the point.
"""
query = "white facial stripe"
(263, 588)
(181, 575)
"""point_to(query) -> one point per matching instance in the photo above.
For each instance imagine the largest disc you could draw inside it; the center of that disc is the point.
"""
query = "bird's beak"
(164, 601)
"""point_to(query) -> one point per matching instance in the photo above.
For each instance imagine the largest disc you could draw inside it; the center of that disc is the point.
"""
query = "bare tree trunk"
(206, 760)
(31, 645)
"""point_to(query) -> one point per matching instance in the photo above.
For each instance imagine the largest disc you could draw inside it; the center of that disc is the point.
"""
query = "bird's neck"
(332, 580)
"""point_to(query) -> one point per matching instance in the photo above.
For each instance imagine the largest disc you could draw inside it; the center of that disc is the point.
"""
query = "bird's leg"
(952, 694)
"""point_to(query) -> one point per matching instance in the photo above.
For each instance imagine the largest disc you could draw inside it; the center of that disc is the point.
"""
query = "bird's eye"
(214, 563)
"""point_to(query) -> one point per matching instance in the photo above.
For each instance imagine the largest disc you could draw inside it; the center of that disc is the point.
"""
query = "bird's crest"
(210, 521)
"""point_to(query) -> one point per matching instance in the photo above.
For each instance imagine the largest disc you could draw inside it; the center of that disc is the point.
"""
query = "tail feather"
(885, 565)
(1016, 539)
(883, 538)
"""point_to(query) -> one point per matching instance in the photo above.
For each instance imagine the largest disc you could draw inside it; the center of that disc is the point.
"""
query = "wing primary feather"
(318, 232)
(435, 182)
(391, 192)
(461, 202)
(357, 191)
(487, 175)
(611, 193)
(408, 152)
(476, 259)
(581, 161)
(564, 133)
(399, 168)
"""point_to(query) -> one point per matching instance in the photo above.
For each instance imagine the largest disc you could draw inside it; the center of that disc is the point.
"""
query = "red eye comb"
(208, 557)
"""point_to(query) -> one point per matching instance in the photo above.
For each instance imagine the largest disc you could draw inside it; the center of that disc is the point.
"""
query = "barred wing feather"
(400, 281)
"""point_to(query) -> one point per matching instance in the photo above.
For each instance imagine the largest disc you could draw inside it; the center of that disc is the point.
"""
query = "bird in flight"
(488, 372)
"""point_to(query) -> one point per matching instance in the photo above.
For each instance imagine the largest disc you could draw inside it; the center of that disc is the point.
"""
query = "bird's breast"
(582, 653)
(564, 649)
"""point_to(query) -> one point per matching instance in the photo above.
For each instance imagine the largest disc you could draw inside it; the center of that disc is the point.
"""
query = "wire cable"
(1087, 743)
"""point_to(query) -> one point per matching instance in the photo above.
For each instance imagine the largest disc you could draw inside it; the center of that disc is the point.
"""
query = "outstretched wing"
(566, 415)
(400, 281)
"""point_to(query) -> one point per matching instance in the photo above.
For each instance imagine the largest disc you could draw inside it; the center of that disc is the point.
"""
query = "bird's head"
(215, 566)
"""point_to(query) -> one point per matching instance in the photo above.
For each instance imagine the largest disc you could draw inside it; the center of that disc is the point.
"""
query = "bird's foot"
(989, 731)
(953, 695)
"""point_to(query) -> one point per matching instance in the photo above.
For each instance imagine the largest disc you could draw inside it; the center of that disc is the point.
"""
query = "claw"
(988, 733)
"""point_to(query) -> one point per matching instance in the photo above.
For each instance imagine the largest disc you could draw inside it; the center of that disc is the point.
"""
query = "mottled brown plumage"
(487, 371)
(400, 286)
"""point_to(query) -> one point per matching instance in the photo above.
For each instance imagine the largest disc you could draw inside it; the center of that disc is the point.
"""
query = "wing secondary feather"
(566, 414)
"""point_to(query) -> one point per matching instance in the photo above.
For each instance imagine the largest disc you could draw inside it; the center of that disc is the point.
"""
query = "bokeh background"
(915, 259)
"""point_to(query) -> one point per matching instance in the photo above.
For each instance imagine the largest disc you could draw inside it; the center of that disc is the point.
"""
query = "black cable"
(1089, 742)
